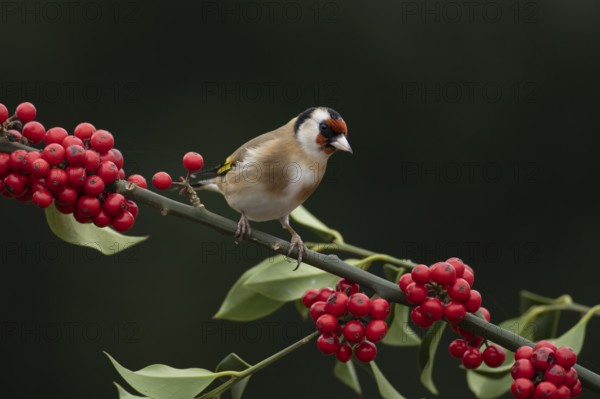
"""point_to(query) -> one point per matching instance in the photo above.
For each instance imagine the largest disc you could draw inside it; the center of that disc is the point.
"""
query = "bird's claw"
(297, 243)
(243, 228)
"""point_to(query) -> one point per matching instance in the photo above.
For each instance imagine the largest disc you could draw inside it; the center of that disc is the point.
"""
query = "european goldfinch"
(272, 174)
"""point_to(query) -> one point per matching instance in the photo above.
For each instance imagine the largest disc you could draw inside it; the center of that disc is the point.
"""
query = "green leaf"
(245, 304)
(307, 219)
(302, 310)
(279, 281)
(386, 390)
(488, 386)
(426, 354)
(104, 240)
(546, 324)
(123, 394)
(163, 382)
(346, 373)
(233, 362)
(575, 336)
(393, 273)
(399, 332)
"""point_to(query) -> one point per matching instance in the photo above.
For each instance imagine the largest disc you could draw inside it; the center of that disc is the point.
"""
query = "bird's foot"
(243, 228)
(297, 243)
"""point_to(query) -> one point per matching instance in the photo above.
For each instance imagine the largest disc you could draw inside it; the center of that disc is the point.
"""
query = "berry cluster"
(73, 170)
(444, 291)
(545, 372)
(192, 162)
(349, 321)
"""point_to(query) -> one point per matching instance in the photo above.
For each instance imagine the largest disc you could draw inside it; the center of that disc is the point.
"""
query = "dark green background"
(474, 135)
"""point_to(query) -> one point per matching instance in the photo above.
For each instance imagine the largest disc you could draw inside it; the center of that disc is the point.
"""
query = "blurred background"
(474, 129)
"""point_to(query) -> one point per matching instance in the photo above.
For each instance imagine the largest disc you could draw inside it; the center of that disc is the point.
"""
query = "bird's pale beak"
(341, 143)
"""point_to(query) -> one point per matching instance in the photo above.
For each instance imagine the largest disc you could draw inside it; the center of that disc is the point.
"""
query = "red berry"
(545, 344)
(455, 312)
(460, 291)
(88, 206)
(565, 356)
(571, 377)
(14, 135)
(67, 196)
(4, 161)
(75, 155)
(325, 293)
(123, 222)
(376, 330)
(523, 352)
(354, 331)
(102, 219)
(15, 161)
(56, 180)
(420, 274)
(82, 218)
(555, 374)
(71, 140)
(75, 176)
(416, 293)
(34, 131)
(523, 368)
(138, 180)
(114, 204)
(542, 358)
(475, 342)
(472, 358)
(118, 158)
(459, 266)
(310, 297)
(494, 355)
(92, 161)
(563, 392)
(316, 310)
(327, 324)
(365, 352)
(347, 287)
(132, 208)
(443, 273)
(107, 171)
(576, 389)
(522, 388)
(545, 390)
(337, 304)
(93, 186)
(102, 140)
(328, 344)
(26, 112)
(55, 135)
(84, 130)
(359, 304)
(380, 309)
(405, 281)
(417, 317)
(485, 313)
(66, 208)
(3, 113)
(193, 161)
(468, 276)
(161, 180)
(467, 335)
(432, 309)
(54, 154)
(108, 156)
(344, 353)
(474, 302)
(457, 348)
(42, 198)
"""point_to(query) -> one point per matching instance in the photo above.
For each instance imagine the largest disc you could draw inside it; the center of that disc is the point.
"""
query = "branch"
(329, 263)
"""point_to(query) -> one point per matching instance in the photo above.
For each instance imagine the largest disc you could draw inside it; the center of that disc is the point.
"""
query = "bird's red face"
(332, 135)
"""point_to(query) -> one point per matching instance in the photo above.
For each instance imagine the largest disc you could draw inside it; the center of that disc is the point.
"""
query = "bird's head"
(322, 130)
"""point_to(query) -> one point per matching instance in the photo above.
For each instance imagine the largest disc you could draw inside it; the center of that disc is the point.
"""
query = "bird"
(272, 174)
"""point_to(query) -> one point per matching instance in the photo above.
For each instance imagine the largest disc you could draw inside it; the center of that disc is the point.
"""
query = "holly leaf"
(159, 381)
(103, 239)
(393, 273)
(302, 310)
(307, 219)
(426, 354)
(346, 373)
(488, 386)
(399, 332)
(575, 336)
(386, 390)
(233, 362)
(279, 281)
(123, 394)
(245, 304)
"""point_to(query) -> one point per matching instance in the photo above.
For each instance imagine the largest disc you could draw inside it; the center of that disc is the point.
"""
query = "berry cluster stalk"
(329, 263)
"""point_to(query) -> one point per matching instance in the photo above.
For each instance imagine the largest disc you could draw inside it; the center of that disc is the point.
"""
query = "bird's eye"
(323, 126)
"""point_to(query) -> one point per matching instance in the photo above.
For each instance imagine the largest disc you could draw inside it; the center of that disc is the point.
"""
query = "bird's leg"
(243, 228)
(296, 241)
